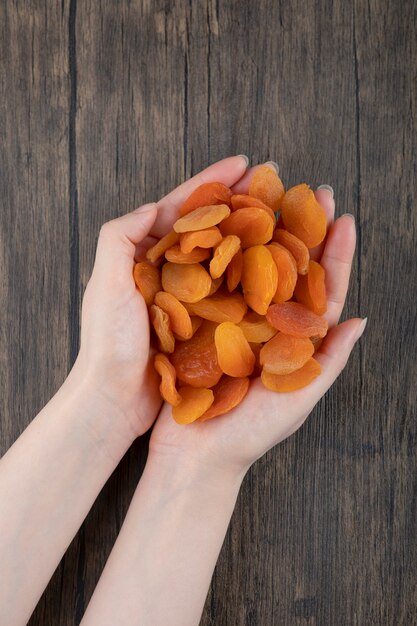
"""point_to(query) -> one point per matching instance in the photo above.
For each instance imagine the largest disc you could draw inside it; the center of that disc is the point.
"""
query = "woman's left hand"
(114, 356)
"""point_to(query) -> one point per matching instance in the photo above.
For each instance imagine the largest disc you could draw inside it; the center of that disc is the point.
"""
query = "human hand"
(114, 355)
(232, 442)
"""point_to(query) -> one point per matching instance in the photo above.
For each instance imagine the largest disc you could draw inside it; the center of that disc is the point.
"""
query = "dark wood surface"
(107, 104)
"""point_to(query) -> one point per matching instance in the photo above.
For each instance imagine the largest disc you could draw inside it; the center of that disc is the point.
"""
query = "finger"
(334, 353)
(242, 185)
(324, 197)
(118, 239)
(143, 247)
(337, 262)
(332, 356)
(227, 171)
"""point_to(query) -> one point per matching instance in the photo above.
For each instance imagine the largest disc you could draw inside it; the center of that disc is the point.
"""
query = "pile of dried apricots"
(232, 295)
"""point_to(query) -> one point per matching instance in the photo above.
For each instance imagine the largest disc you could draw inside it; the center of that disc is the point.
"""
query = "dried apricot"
(176, 255)
(291, 382)
(204, 195)
(252, 225)
(223, 254)
(195, 360)
(228, 393)
(203, 217)
(294, 245)
(215, 285)
(179, 317)
(256, 328)
(148, 280)
(287, 272)
(221, 307)
(195, 323)
(188, 283)
(160, 322)
(284, 354)
(234, 270)
(159, 249)
(316, 341)
(234, 355)
(310, 290)
(206, 238)
(259, 277)
(303, 216)
(256, 349)
(194, 402)
(295, 319)
(240, 201)
(168, 376)
(267, 186)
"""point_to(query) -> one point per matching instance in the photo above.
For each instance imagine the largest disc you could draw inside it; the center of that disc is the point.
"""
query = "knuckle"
(108, 229)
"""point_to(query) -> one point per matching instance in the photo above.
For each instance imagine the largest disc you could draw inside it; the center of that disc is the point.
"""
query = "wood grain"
(107, 105)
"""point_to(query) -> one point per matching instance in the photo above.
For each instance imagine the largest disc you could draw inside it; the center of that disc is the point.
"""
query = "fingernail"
(274, 165)
(245, 158)
(328, 188)
(361, 328)
(145, 208)
(352, 217)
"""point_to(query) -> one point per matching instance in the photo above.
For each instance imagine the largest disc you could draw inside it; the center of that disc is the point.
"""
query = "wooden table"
(105, 105)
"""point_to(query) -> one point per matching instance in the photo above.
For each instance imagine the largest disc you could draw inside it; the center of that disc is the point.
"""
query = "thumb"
(118, 238)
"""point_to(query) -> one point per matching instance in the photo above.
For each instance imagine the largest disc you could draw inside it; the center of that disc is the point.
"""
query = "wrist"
(186, 473)
(94, 414)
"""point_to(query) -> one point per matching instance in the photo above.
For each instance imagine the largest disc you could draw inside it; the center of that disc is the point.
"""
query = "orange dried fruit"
(203, 217)
(316, 341)
(234, 354)
(303, 216)
(294, 245)
(223, 254)
(256, 328)
(284, 354)
(234, 270)
(291, 382)
(259, 277)
(295, 319)
(194, 402)
(168, 376)
(228, 393)
(188, 283)
(267, 186)
(195, 323)
(256, 349)
(195, 360)
(161, 246)
(148, 280)
(179, 317)
(215, 285)
(206, 238)
(252, 225)
(241, 201)
(310, 290)
(205, 195)
(221, 307)
(287, 272)
(162, 326)
(176, 255)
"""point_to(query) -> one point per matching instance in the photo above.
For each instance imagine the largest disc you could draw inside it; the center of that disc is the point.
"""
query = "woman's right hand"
(232, 442)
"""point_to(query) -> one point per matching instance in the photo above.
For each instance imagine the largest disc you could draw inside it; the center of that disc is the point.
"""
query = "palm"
(242, 435)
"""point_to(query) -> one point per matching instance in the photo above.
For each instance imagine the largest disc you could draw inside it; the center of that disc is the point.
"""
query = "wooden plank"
(34, 215)
(131, 143)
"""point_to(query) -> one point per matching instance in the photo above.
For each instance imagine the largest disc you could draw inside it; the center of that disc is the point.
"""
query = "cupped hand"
(115, 355)
(232, 442)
